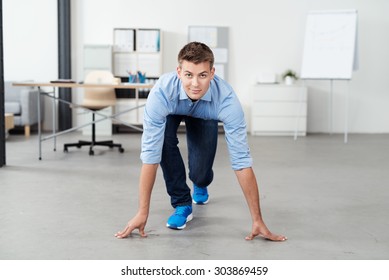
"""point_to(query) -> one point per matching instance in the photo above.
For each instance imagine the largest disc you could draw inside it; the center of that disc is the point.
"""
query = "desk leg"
(54, 127)
(39, 123)
(137, 104)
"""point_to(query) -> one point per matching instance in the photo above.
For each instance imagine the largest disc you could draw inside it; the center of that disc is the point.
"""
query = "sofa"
(22, 103)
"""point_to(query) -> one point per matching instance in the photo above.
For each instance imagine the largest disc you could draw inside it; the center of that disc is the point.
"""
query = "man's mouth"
(195, 91)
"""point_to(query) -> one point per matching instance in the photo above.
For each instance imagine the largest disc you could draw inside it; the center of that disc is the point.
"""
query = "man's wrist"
(143, 211)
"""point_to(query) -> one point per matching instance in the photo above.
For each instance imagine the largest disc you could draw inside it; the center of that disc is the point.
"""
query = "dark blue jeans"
(201, 137)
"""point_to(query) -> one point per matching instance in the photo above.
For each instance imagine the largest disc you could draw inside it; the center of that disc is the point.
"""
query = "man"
(193, 94)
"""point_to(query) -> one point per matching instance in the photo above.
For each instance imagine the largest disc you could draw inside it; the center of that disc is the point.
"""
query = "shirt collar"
(207, 96)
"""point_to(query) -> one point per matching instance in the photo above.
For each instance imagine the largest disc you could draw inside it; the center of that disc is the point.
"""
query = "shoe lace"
(200, 191)
(181, 210)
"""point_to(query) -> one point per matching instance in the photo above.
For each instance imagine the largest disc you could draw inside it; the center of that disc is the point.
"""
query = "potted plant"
(289, 76)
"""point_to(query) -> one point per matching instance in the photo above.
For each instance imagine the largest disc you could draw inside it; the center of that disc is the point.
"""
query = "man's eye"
(188, 75)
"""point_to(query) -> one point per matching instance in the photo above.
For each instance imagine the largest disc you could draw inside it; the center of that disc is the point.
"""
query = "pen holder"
(141, 77)
(132, 78)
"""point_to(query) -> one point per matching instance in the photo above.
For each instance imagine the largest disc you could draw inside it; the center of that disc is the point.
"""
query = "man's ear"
(178, 69)
(213, 71)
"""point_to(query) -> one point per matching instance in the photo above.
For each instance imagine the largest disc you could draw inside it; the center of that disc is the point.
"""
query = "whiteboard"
(330, 45)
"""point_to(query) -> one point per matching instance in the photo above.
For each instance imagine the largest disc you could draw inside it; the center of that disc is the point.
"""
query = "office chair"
(96, 99)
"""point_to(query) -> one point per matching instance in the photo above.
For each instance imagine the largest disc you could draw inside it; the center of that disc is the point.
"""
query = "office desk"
(54, 98)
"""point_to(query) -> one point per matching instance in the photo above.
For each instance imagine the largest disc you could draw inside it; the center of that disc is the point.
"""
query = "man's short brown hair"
(196, 53)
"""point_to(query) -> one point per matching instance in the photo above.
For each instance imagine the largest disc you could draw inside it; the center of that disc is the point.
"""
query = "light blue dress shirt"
(168, 97)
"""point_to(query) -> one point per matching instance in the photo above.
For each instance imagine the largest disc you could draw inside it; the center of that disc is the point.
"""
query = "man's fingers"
(142, 232)
(124, 233)
(250, 237)
(274, 237)
(270, 236)
(129, 229)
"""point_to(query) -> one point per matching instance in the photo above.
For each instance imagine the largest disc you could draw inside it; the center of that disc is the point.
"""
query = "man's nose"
(195, 81)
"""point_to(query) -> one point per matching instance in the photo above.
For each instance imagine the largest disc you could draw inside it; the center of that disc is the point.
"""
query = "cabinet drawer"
(279, 93)
(279, 109)
(285, 125)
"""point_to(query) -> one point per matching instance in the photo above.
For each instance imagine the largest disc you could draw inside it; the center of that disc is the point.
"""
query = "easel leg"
(346, 114)
(330, 107)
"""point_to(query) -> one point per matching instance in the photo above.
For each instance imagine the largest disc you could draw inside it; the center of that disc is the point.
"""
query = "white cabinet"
(136, 49)
(133, 50)
(278, 110)
(135, 116)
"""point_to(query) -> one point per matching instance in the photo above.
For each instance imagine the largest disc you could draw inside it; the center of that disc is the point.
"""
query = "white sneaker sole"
(188, 219)
(205, 202)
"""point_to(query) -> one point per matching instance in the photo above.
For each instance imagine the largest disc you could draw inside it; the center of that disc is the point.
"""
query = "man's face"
(195, 78)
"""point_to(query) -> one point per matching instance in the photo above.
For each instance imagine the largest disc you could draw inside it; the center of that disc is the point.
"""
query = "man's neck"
(193, 100)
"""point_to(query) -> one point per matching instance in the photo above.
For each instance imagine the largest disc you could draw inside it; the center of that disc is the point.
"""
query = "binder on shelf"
(148, 40)
(142, 52)
(124, 40)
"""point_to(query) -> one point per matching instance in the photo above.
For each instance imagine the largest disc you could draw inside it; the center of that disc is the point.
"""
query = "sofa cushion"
(12, 107)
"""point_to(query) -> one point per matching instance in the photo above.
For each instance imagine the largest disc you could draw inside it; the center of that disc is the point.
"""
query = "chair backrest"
(97, 98)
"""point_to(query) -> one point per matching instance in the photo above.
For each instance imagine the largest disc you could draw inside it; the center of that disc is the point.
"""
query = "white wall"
(30, 39)
(264, 36)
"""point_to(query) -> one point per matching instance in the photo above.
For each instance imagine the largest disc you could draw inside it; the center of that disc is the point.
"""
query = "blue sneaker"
(181, 216)
(200, 195)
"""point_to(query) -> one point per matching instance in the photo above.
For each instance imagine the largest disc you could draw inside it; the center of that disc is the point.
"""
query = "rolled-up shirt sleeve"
(154, 122)
(232, 116)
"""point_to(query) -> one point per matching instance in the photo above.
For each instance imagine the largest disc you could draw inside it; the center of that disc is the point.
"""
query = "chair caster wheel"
(65, 150)
(91, 152)
(121, 150)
